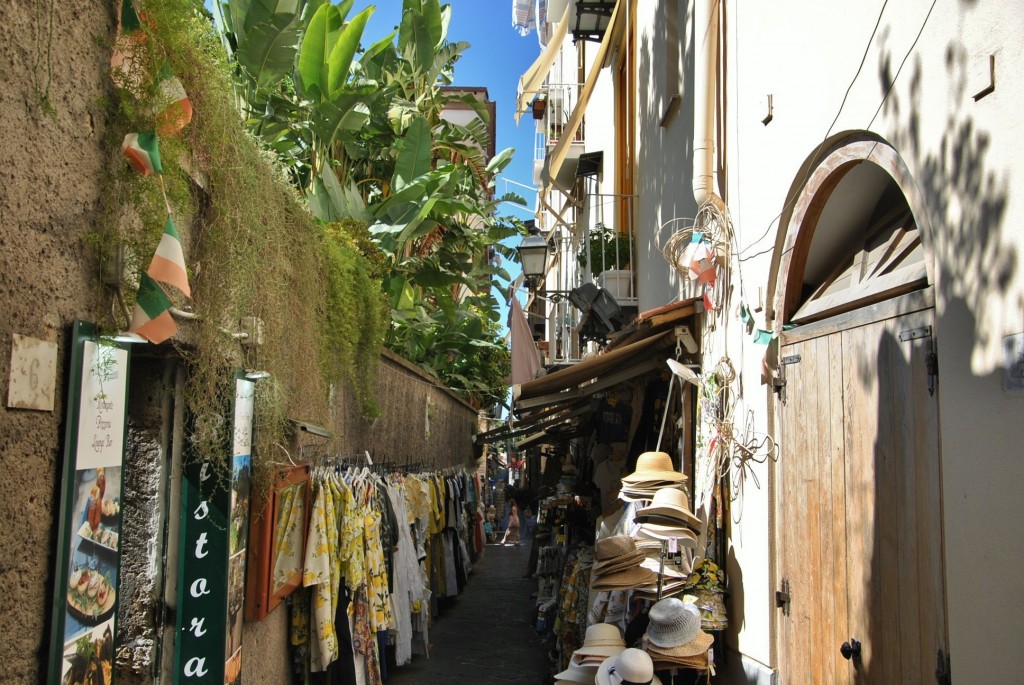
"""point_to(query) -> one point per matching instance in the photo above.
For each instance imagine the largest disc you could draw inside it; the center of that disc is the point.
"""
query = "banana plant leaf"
(413, 158)
(267, 52)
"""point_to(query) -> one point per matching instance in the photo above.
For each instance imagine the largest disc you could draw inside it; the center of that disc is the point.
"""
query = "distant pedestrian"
(491, 523)
(528, 521)
(512, 531)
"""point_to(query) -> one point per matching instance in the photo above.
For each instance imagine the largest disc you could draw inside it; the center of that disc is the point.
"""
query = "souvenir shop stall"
(642, 584)
(641, 600)
(364, 557)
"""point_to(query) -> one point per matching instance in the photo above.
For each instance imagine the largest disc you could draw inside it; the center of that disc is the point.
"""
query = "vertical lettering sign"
(89, 537)
(214, 538)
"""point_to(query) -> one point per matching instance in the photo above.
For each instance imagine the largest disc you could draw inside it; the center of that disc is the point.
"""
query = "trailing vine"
(252, 248)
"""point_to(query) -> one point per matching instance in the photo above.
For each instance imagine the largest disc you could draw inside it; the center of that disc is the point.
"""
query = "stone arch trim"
(824, 170)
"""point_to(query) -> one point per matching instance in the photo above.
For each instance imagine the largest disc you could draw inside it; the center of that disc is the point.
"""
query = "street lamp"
(533, 255)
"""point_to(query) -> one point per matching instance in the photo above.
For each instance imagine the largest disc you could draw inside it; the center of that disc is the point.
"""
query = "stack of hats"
(674, 636)
(654, 471)
(617, 565)
(602, 640)
(629, 667)
(668, 516)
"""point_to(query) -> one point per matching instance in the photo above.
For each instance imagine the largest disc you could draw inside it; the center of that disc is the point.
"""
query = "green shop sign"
(214, 539)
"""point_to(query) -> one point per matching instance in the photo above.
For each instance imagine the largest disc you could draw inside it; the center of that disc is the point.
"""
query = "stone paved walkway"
(485, 634)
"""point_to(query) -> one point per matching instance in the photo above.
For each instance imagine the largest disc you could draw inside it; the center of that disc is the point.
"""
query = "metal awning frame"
(551, 422)
(599, 385)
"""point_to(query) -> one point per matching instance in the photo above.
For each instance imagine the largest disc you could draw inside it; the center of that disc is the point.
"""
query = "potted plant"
(609, 260)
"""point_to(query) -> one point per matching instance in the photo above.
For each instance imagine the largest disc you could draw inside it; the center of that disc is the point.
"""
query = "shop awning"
(550, 418)
(552, 437)
(590, 369)
(531, 80)
(557, 156)
(657, 320)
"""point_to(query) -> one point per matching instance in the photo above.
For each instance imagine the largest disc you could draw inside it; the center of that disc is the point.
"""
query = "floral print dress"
(323, 573)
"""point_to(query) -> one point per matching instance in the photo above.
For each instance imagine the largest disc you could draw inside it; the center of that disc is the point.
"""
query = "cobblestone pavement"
(485, 635)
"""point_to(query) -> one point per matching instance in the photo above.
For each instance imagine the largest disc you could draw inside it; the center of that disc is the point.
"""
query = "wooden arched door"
(858, 517)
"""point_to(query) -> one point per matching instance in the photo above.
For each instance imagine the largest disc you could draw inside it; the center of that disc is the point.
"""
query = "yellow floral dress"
(323, 571)
(376, 573)
(353, 534)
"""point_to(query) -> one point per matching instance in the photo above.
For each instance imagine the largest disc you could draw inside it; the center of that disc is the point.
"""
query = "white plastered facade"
(964, 156)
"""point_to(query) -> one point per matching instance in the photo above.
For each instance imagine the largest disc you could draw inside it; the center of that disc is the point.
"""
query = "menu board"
(89, 539)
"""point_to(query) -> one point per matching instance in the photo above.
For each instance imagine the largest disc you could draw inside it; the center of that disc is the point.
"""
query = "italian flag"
(152, 318)
(168, 265)
(177, 108)
(143, 152)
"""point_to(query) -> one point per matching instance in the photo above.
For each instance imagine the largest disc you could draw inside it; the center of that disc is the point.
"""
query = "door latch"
(782, 598)
(851, 649)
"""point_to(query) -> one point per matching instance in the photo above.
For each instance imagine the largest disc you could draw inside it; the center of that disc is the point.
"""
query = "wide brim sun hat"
(635, 576)
(669, 571)
(684, 535)
(613, 547)
(669, 503)
(654, 466)
(697, 645)
(601, 639)
(577, 674)
(632, 666)
(618, 563)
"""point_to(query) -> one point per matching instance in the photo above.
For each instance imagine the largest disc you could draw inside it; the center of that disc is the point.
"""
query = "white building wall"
(664, 155)
(966, 157)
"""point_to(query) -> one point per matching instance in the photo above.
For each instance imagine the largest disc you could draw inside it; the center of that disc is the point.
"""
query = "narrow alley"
(486, 634)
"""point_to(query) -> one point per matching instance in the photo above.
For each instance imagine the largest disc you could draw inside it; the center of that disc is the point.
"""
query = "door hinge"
(782, 597)
(779, 382)
(943, 673)
(931, 358)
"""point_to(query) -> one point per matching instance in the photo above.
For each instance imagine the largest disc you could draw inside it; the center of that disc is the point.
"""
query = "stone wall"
(53, 119)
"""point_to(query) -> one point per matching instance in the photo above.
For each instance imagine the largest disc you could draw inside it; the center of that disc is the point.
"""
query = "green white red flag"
(177, 108)
(142, 150)
(168, 264)
(152, 317)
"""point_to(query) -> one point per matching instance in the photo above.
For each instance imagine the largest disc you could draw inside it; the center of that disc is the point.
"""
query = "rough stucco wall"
(50, 175)
(401, 434)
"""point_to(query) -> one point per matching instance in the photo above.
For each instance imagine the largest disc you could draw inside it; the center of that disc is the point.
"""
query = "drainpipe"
(704, 88)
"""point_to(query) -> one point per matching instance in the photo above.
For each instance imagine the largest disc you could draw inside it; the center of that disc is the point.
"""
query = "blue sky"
(497, 57)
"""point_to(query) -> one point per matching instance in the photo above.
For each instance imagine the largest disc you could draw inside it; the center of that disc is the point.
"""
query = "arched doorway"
(858, 512)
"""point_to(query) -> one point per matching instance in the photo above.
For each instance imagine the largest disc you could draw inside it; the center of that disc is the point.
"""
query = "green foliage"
(352, 285)
(363, 137)
(260, 251)
(608, 250)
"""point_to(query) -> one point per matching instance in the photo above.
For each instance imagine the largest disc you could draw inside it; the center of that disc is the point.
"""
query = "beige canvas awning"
(530, 82)
(590, 369)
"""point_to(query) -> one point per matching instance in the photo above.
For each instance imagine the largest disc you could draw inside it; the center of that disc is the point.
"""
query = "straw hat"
(684, 536)
(632, 577)
(671, 504)
(602, 639)
(614, 547)
(619, 563)
(654, 466)
(631, 666)
(674, 629)
(577, 674)
(671, 570)
(697, 645)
